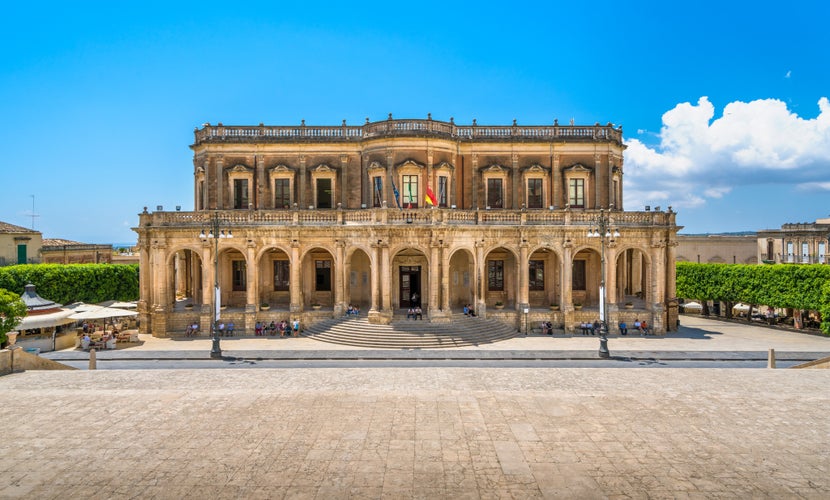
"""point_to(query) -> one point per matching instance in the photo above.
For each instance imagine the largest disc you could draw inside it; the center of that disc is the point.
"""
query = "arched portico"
(410, 279)
(274, 275)
(544, 280)
(358, 287)
(185, 277)
(500, 278)
(462, 279)
(318, 278)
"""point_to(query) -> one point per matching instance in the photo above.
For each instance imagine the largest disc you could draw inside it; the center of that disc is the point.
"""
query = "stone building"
(60, 251)
(397, 213)
(717, 248)
(795, 243)
(19, 245)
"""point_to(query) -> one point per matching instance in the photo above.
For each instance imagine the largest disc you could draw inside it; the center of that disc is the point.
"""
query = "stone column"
(344, 181)
(480, 280)
(515, 181)
(611, 273)
(339, 277)
(556, 184)
(160, 305)
(434, 279)
(295, 290)
(597, 181)
(386, 279)
(262, 200)
(252, 277)
(375, 279)
(567, 284)
(524, 269)
(474, 181)
(220, 183)
(445, 280)
(301, 192)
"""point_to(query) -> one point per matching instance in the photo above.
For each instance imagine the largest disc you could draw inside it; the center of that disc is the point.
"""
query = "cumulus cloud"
(699, 157)
(789, 74)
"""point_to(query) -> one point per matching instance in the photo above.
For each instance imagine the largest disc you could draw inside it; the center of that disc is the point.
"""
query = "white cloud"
(789, 74)
(700, 157)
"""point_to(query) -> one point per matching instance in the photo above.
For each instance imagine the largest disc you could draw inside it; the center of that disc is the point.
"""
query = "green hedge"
(781, 285)
(67, 283)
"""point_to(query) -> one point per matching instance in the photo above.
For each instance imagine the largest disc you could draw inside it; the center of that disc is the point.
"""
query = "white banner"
(217, 299)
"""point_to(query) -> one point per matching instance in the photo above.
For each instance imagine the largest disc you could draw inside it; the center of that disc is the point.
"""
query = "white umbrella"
(101, 312)
(35, 321)
(119, 305)
(692, 305)
(740, 306)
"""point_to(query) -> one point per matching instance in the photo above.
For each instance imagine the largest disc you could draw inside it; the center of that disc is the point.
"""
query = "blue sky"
(723, 104)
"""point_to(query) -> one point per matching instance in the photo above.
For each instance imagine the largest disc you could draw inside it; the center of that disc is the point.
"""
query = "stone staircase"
(410, 334)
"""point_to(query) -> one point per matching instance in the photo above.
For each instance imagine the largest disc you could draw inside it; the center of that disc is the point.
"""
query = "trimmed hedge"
(67, 283)
(780, 285)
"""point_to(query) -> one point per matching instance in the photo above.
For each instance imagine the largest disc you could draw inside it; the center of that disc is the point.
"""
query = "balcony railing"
(394, 128)
(416, 217)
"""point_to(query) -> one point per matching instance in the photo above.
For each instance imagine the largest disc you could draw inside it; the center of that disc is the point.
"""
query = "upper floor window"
(377, 191)
(534, 193)
(576, 193)
(282, 193)
(442, 191)
(240, 193)
(495, 193)
(410, 191)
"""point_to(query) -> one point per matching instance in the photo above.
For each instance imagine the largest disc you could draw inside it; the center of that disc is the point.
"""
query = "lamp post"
(215, 233)
(602, 230)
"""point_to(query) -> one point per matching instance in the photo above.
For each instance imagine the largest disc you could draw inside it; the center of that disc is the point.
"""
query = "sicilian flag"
(429, 199)
(397, 195)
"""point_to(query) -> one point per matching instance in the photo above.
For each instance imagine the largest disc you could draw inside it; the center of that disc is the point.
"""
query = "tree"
(12, 310)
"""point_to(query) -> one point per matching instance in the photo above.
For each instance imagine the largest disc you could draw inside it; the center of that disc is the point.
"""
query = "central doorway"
(410, 280)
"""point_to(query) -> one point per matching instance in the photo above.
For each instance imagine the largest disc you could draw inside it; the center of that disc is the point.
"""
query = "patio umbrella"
(119, 304)
(740, 306)
(692, 306)
(101, 312)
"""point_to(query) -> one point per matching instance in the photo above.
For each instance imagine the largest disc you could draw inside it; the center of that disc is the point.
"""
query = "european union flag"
(397, 195)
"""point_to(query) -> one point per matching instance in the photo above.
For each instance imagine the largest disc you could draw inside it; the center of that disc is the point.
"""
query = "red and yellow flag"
(430, 197)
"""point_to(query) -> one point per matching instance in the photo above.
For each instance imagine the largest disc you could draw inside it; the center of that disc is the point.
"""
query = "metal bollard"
(771, 359)
(92, 360)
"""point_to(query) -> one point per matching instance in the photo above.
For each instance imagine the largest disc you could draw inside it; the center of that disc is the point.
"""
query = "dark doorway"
(410, 286)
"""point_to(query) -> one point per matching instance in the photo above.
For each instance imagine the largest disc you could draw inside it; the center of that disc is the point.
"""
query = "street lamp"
(215, 233)
(602, 230)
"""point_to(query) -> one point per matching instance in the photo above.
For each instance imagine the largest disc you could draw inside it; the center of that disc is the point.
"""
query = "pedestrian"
(595, 327)
(296, 327)
(623, 328)
(637, 325)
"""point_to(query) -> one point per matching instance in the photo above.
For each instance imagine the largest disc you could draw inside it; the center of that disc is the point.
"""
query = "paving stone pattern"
(416, 433)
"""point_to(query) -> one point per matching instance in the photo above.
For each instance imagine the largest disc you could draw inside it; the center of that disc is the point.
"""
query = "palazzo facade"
(392, 214)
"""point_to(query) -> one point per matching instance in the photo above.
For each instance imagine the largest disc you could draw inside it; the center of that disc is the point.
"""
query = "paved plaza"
(424, 432)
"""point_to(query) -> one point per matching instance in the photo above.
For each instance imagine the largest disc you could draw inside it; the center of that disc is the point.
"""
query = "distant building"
(19, 245)
(795, 243)
(717, 248)
(59, 251)
(401, 213)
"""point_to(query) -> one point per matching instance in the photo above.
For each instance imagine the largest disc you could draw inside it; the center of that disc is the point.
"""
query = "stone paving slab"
(416, 433)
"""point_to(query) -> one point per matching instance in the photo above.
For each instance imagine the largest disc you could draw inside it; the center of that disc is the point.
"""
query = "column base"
(438, 316)
(379, 318)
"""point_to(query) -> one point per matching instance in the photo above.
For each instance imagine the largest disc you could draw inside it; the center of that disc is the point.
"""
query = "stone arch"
(500, 277)
(462, 276)
(544, 277)
(410, 278)
(585, 276)
(274, 275)
(184, 266)
(318, 276)
(633, 275)
(358, 272)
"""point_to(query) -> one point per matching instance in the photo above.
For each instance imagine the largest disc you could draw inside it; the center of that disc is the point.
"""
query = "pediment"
(375, 165)
(410, 164)
(323, 167)
(494, 169)
(281, 169)
(240, 168)
(536, 168)
(444, 166)
(578, 167)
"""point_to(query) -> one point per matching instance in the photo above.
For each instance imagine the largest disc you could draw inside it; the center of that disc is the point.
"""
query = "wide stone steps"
(410, 334)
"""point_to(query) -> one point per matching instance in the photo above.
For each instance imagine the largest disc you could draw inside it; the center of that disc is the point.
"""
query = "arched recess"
(462, 278)
(410, 279)
(185, 277)
(317, 278)
(544, 281)
(359, 279)
(585, 277)
(501, 273)
(275, 279)
(233, 277)
(633, 275)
